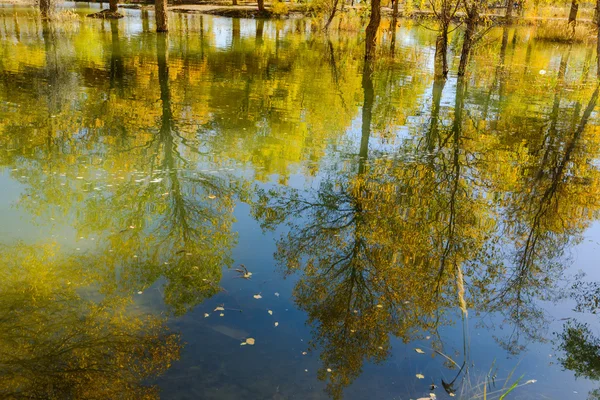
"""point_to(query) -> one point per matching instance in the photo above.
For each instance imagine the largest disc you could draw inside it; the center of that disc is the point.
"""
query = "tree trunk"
(509, 9)
(394, 25)
(260, 26)
(573, 17)
(335, 4)
(45, 8)
(234, 3)
(374, 21)
(261, 5)
(472, 20)
(441, 50)
(367, 115)
(113, 6)
(162, 21)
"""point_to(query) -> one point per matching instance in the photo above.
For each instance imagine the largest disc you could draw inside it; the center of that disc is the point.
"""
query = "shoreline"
(250, 10)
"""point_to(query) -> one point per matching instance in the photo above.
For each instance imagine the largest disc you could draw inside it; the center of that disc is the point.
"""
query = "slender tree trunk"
(394, 26)
(261, 5)
(235, 32)
(441, 58)
(332, 15)
(113, 6)
(145, 21)
(573, 17)
(374, 21)
(160, 12)
(395, 14)
(234, 3)
(367, 114)
(509, 10)
(260, 26)
(472, 20)
(45, 8)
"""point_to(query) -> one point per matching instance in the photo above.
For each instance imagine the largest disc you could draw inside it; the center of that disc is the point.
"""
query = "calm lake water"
(242, 210)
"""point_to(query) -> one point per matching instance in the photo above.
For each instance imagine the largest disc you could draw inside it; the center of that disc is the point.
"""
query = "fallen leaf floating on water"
(276, 294)
(220, 308)
(379, 306)
(212, 196)
(270, 312)
(304, 353)
(531, 381)
(419, 351)
(206, 315)
(276, 324)
(221, 315)
(328, 369)
(249, 341)
(140, 292)
(420, 376)
(257, 296)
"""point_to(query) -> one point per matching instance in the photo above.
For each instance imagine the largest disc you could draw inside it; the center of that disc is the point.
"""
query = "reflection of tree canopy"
(383, 243)
(57, 343)
(380, 244)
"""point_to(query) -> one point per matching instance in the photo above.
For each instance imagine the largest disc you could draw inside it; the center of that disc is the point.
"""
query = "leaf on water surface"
(379, 306)
(419, 351)
(140, 292)
(210, 196)
(304, 353)
(220, 308)
(221, 315)
(270, 312)
(531, 381)
(206, 315)
(276, 294)
(250, 341)
(329, 370)
(276, 324)
(420, 376)
(257, 296)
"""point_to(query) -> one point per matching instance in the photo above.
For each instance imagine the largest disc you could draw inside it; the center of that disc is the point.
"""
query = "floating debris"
(419, 351)
(257, 296)
(420, 376)
(249, 341)
(244, 273)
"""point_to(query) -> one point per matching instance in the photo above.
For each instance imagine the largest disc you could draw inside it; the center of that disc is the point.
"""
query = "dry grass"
(560, 32)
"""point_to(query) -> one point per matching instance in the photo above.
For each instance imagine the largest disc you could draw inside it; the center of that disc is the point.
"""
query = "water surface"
(166, 197)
